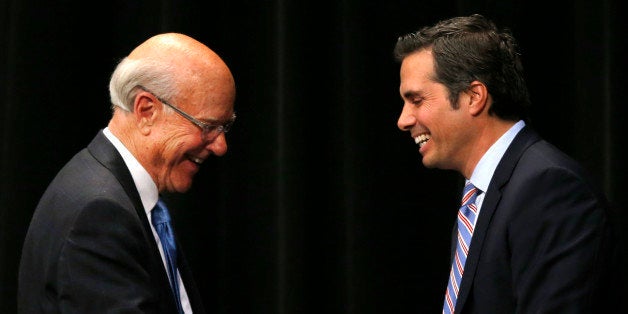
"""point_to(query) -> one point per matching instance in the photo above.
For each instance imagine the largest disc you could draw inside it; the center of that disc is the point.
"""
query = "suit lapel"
(503, 172)
(105, 153)
(108, 156)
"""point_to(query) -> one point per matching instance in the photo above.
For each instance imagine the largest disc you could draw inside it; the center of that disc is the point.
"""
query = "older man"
(100, 239)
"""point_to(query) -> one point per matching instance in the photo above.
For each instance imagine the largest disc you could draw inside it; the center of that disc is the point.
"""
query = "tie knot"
(469, 193)
(160, 213)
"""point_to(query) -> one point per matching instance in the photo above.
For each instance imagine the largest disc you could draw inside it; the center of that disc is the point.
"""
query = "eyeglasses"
(209, 131)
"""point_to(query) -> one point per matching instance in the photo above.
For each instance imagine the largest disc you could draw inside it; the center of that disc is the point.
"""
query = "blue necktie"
(161, 221)
(467, 216)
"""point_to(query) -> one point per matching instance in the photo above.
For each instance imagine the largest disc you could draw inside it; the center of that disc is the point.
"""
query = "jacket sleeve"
(558, 241)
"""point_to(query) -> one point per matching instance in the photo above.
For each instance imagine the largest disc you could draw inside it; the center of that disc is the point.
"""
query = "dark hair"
(472, 48)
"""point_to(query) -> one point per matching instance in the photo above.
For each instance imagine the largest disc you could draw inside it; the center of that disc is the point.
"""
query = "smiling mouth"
(196, 160)
(422, 139)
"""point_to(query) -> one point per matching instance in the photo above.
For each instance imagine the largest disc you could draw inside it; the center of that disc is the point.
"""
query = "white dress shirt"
(149, 196)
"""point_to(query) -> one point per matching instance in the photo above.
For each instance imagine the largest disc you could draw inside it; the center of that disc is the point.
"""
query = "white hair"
(156, 75)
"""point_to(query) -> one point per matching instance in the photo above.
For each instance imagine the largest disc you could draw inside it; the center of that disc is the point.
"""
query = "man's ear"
(478, 97)
(145, 111)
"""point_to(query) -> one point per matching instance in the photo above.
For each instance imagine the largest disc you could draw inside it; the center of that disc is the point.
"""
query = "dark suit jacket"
(544, 240)
(90, 248)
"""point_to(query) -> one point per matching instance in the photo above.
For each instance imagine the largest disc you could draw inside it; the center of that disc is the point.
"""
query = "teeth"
(197, 160)
(421, 139)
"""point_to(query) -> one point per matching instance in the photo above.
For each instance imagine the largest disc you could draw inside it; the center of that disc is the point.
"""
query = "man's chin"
(181, 186)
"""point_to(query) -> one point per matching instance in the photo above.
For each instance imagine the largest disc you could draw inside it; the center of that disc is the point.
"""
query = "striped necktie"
(161, 221)
(467, 216)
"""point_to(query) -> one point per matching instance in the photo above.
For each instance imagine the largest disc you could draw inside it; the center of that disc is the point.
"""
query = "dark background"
(321, 204)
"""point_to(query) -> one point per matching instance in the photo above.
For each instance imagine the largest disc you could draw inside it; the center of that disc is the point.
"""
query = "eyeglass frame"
(206, 128)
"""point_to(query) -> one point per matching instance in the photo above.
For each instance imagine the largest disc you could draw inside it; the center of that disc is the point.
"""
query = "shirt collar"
(144, 183)
(485, 168)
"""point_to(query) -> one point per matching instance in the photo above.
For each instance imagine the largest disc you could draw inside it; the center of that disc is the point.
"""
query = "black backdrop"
(321, 204)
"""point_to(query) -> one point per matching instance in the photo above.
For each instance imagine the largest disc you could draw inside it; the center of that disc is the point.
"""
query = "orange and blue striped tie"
(467, 216)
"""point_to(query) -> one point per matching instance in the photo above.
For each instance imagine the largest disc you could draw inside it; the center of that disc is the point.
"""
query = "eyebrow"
(209, 120)
(213, 120)
(410, 94)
